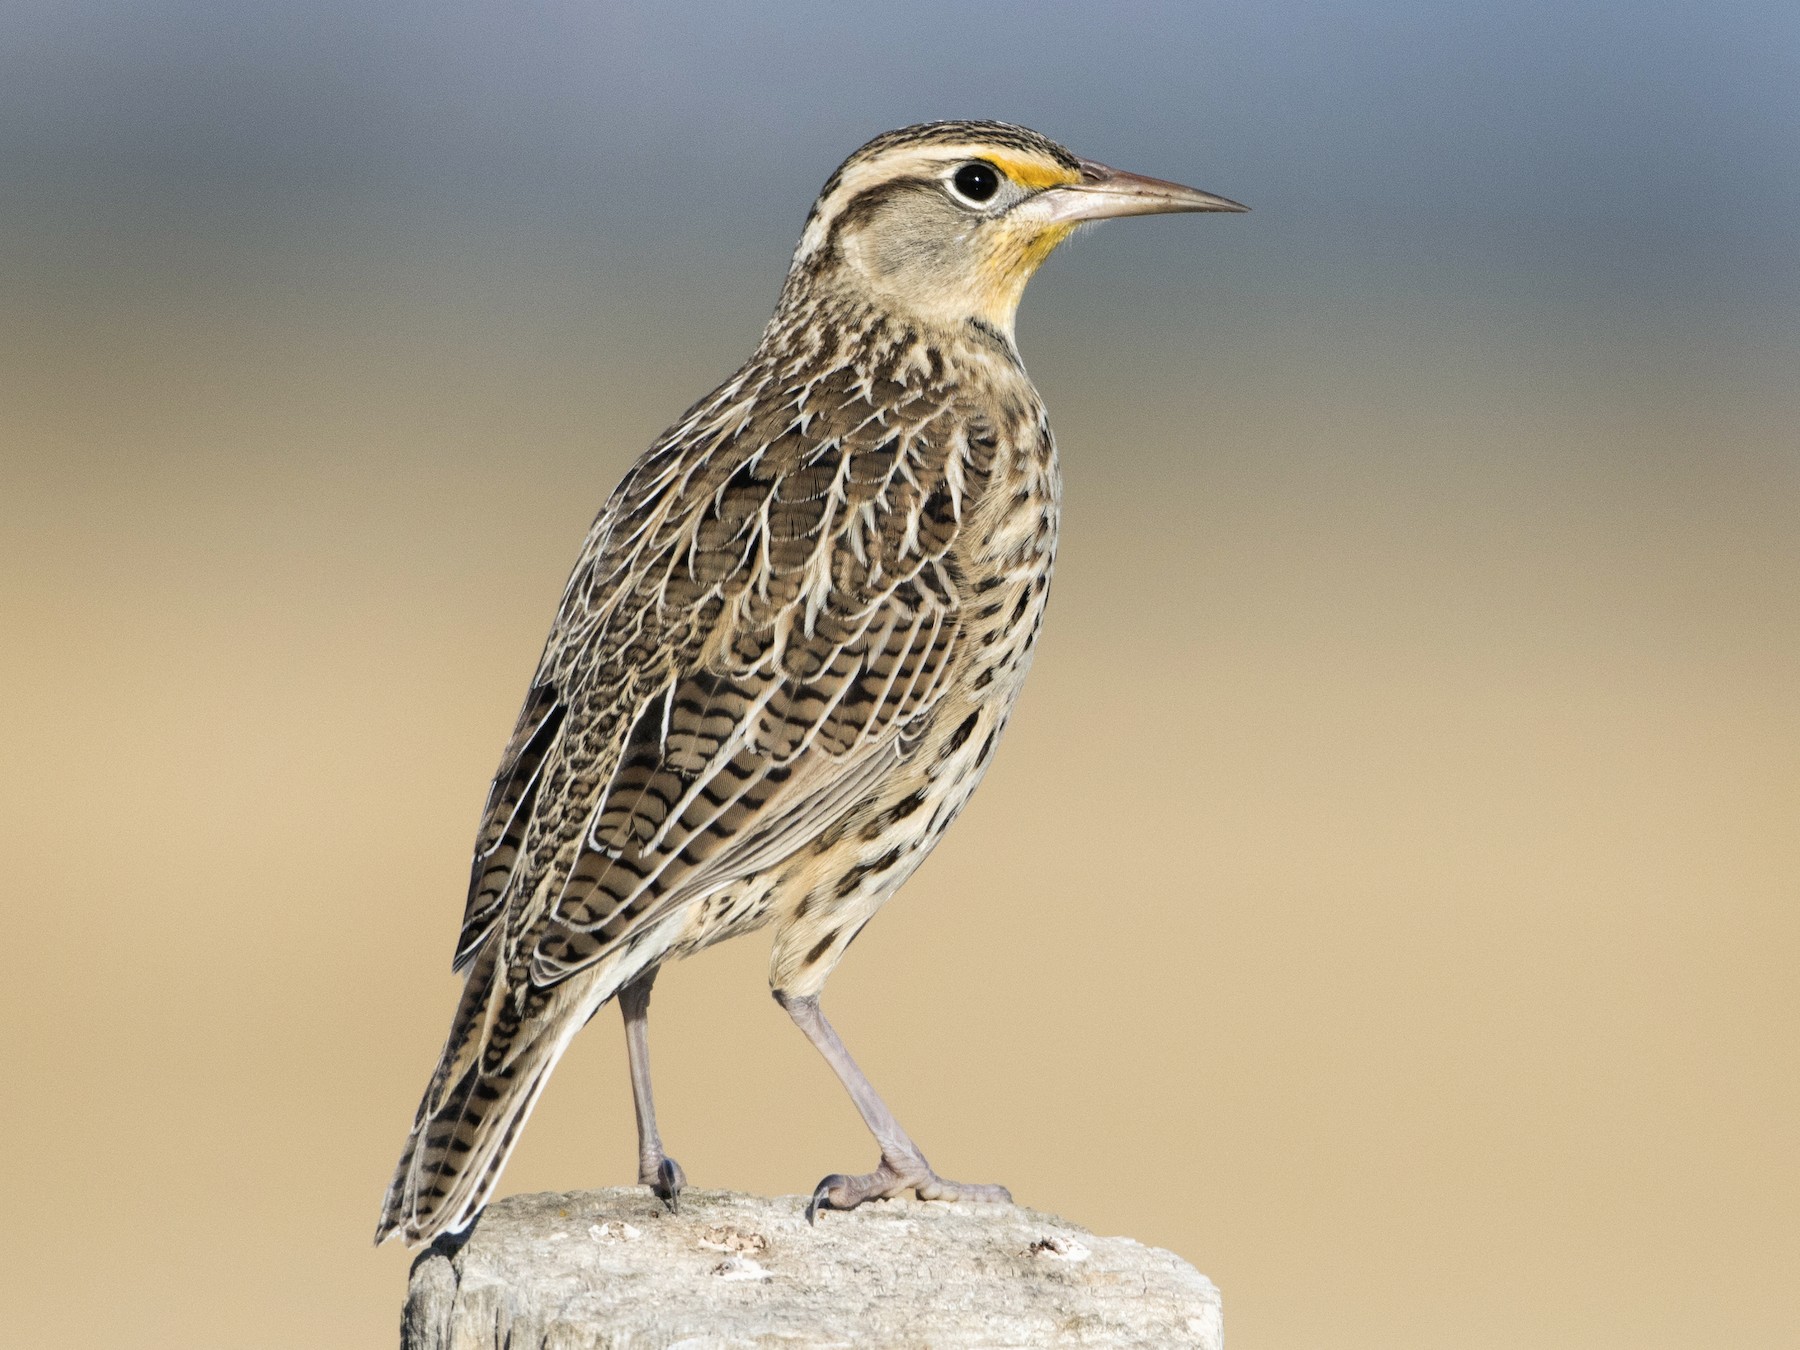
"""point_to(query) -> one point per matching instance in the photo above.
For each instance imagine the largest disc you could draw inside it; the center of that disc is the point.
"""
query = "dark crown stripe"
(1003, 135)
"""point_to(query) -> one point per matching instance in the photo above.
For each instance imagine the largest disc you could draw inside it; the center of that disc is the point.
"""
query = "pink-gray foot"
(665, 1180)
(903, 1167)
(892, 1178)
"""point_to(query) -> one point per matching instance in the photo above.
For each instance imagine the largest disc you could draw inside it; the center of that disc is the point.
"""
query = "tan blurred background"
(1386, 896)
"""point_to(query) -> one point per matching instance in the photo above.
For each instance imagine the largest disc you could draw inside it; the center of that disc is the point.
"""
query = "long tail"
(504, 1040)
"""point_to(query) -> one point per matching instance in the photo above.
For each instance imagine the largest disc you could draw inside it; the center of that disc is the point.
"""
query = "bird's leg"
(903, 1166)
(656, 1169)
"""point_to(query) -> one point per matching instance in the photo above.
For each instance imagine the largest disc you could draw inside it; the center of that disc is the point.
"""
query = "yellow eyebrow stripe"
(1032, 173)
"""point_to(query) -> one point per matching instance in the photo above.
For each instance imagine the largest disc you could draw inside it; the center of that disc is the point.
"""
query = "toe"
(669, 1181)
(987, 1194)
(828, 1194)
(935, 1187)
(665, 1180)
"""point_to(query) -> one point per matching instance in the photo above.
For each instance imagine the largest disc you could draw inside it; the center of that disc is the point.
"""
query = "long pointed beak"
(1104, 193)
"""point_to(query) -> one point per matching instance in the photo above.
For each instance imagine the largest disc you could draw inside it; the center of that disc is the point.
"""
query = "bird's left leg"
(656, 1169)
(903, 1166)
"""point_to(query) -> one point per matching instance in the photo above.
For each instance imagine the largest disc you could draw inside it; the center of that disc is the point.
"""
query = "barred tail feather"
(494, 1066)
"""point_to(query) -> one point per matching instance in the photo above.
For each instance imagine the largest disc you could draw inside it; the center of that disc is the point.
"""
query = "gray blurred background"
(1386, 897)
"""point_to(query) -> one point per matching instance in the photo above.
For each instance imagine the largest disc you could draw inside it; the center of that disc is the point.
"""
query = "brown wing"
(766, 605)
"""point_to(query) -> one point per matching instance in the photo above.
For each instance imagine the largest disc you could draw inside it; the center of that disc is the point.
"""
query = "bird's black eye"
(977, 181)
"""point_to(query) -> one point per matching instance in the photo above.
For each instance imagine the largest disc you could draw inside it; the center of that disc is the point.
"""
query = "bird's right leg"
(903, 1166)
(656, 1169)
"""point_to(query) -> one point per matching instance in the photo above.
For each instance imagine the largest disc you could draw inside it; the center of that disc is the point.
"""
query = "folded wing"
(765, 608)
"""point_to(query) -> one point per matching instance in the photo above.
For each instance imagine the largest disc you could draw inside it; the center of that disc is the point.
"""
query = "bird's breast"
(1006, 555)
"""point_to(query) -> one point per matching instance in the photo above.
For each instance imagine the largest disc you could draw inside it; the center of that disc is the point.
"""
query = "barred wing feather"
(764, 607)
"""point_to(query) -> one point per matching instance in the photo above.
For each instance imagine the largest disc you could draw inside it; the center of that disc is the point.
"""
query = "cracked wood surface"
(613, 1269)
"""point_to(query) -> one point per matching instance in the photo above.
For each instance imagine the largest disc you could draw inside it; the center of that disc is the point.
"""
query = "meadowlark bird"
(785, 656)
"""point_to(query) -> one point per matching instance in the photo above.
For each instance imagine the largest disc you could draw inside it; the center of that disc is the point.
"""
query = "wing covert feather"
(769, 599)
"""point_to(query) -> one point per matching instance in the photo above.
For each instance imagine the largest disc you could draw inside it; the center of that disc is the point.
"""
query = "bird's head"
(947, 221)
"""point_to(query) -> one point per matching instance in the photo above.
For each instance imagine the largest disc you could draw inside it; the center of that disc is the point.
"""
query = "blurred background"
(1386, 896)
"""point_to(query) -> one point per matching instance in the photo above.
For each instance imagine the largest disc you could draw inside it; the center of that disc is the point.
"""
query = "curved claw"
(668, 1183)
(821, 1196)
